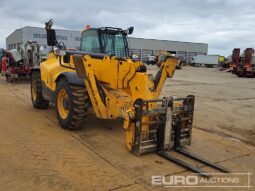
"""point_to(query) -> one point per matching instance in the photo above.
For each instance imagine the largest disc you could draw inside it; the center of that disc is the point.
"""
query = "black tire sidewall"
(63, 84)
(33, 77)
(39, 102)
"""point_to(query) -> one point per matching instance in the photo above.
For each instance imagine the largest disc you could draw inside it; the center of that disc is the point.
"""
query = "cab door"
(105, 68)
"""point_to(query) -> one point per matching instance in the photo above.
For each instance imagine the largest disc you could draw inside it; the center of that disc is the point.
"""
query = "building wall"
(139, 46)
(184, 50)
(21, 36)
(71, 39)
(14, 39)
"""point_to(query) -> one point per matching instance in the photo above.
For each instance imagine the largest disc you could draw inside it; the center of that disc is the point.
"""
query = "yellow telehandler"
(103, 75)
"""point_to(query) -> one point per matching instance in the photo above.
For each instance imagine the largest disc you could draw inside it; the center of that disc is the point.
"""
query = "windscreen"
(107, 42)
(114, 44)
(90, 42)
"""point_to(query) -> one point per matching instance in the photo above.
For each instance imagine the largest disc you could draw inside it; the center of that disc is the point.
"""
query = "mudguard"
(35, 68)
(72, 78)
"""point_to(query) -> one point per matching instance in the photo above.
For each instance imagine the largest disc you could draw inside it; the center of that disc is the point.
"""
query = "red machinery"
(247, 66)
(2, 53)
(15, 66)
(249, 63)
(20, 61)
(235, 60)
(3, 64)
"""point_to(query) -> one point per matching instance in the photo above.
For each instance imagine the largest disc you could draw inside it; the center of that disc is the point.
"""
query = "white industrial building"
(139, 46)
(184, 50)
(22, 35)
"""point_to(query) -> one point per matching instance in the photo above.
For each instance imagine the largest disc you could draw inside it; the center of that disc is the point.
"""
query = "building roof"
(128, 37)
(13, 32)
(39, 28)
(54, 29)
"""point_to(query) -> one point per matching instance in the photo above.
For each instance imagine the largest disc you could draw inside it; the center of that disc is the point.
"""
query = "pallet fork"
(170, 129)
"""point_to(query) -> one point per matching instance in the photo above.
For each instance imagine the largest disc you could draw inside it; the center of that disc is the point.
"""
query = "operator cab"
(106, 40)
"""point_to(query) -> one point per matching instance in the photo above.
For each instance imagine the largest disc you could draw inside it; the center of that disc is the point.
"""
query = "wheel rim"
(33, 90)
(62, 102)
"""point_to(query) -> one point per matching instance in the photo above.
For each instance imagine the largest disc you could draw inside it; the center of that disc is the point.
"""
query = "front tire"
(72, 103)
(36, 92)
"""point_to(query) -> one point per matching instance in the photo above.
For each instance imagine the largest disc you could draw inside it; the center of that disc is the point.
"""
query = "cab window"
(113, 44)
(90, 42)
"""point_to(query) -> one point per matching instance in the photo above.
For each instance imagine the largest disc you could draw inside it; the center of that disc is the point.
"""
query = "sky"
(223, 24)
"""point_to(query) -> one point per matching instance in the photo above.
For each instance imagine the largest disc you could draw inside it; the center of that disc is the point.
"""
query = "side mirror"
(51, 34)
(51, 38)
(130, 30)
(66, 58)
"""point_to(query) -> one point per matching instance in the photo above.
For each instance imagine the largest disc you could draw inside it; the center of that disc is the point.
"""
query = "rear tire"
(72, 103)
(36, 92)
(8, 78)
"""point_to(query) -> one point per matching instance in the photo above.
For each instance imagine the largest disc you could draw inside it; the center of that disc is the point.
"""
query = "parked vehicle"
(116, 87)
(224, 64)
(150, 59)
(205, 60)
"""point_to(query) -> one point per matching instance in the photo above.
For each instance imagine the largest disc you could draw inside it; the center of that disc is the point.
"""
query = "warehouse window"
(43, 45)
(145, 54)
(136, 52)
(78, 38)
(201, 53)
(35, 35)
(191, 55)
(182, 55)
(61, 37)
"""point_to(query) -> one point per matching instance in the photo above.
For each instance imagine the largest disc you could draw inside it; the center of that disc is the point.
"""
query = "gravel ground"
(36, 154)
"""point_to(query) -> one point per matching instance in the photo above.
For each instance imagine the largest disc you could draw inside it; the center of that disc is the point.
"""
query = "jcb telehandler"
(103, 74)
